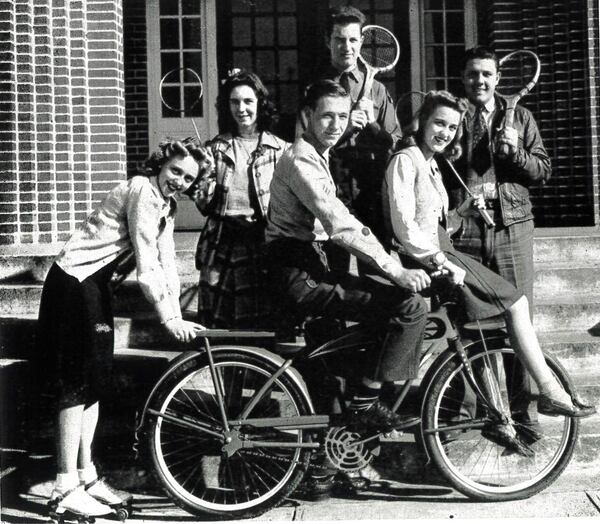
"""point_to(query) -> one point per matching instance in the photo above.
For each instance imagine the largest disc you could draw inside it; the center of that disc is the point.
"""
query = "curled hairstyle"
(343, 16)
(170, 148)
(320, 89)
(432, 101)
(479, 53)
(265, 117)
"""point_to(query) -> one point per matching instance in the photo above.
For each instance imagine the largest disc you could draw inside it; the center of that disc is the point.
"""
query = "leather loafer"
(555, 408)
(580, 402)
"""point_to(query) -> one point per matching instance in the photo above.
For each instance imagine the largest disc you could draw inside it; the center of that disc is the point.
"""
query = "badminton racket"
(519, 72)
(181, 90)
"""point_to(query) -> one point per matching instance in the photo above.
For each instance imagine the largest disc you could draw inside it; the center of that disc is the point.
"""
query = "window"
(264, 39)
(444, 29)
(181, 48)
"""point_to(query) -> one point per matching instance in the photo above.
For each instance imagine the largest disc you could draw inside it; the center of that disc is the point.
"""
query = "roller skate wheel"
(122, 514)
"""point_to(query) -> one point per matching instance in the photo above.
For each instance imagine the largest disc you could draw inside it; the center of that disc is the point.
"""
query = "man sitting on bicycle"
(304, 214)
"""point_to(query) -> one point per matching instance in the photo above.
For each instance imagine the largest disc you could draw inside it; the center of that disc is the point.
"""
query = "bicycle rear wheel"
(192, 465)
(473, 464)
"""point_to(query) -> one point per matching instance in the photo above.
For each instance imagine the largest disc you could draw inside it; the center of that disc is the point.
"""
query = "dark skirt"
(232, 291)
(485, 294)
(75, 337)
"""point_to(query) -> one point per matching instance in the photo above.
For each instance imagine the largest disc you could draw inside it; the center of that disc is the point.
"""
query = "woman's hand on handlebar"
(183, 330)
(456, 274)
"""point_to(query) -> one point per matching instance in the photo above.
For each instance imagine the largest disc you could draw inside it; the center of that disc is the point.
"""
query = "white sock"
(87, 474)
(65, 482)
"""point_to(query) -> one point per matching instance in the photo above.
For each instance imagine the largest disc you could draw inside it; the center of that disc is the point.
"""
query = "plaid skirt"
(232, 292)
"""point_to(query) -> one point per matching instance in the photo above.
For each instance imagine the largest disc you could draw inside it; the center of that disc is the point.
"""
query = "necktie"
(479, 126)
(345, 82)
(481, 155)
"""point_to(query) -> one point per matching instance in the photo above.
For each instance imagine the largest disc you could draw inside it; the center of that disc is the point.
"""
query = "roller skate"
(118, 501)
(75, 505)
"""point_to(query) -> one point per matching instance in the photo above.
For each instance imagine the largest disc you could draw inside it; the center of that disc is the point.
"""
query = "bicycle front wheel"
(193, 466)
(474, 464)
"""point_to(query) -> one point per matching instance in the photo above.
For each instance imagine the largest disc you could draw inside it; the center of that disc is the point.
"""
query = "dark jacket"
(529, 165)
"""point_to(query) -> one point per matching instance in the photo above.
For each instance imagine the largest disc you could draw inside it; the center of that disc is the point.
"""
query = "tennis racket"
(379, 53)
(519, 72)
(181, 90)
(407, 111)
(407, 108)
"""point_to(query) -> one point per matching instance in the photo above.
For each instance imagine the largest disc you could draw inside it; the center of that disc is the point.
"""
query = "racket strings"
(515, 73)
(379, 48)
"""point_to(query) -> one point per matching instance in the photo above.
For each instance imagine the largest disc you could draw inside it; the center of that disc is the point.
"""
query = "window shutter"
(558, 31)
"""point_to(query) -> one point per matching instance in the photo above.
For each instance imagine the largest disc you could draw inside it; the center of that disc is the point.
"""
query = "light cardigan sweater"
(132, 217)
(415, 202)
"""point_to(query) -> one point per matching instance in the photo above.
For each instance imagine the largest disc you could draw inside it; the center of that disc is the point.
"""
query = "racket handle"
(509, 119)
(489, 221)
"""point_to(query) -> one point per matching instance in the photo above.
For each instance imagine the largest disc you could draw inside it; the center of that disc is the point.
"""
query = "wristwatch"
(438, 259)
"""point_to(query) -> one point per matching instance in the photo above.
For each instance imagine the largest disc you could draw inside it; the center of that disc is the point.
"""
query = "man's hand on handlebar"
(414, 280)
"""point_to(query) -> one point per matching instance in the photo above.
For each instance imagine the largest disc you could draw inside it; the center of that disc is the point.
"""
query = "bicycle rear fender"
(189, 356)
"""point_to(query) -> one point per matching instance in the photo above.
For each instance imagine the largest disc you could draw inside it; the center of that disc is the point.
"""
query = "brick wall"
(62, 143)
(593, 43)
(564, 35)
(136, 83)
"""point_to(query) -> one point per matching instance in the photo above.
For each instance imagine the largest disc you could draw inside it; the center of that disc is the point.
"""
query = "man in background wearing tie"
(359, 159)
(503, 181)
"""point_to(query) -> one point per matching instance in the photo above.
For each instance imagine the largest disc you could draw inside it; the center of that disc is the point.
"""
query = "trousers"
(303, 285)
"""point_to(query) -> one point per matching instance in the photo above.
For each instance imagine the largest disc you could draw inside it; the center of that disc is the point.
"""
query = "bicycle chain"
(282, 459)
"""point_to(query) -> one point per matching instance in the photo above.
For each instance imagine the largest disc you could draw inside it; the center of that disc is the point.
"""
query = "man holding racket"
(501, 179)
(359, 159)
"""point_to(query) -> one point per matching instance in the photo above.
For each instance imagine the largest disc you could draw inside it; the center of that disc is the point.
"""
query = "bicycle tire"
(192, 468)
(479, 468)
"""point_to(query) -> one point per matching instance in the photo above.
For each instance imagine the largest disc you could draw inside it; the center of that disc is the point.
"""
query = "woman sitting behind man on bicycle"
(416, 204)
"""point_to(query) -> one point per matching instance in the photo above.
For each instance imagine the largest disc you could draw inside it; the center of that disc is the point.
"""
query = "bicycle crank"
(345, 451)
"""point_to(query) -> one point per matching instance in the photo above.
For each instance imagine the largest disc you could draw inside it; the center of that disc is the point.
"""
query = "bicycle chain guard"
(343, 452)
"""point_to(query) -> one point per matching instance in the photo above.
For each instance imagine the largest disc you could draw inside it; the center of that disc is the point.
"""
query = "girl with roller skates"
(76, 336)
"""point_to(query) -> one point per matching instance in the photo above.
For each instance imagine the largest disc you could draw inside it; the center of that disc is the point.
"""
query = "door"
(182, 64)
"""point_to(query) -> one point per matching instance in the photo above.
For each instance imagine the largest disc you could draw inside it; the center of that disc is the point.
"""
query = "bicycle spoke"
(475, 463)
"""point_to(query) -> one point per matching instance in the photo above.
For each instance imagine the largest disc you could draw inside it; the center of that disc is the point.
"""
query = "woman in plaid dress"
(235, 198)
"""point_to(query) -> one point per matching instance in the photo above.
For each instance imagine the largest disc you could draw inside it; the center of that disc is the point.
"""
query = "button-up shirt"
(304, 206)
(133, 217)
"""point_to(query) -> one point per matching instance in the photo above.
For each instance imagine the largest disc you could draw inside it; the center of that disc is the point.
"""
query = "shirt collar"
(355, 73)
(489, 106)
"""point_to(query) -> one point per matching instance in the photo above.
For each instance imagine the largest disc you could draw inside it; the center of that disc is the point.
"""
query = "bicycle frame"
(440, 334)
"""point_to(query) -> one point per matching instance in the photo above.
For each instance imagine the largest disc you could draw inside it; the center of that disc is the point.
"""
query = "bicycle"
(231, 429)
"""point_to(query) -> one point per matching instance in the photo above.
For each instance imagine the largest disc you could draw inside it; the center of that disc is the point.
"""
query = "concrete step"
(556, 281)
(570, 245)
(567, 312)
(30, 263)
(578, 350)
(21, 299)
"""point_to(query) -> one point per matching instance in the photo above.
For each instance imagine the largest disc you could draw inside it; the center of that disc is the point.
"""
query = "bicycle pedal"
(393, 436)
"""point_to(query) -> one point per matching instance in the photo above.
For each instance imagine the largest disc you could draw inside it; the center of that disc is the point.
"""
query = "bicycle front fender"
(495, 341)
(190, 358)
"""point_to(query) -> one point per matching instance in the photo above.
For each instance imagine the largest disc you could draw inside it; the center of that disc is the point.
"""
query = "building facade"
(88, 87)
